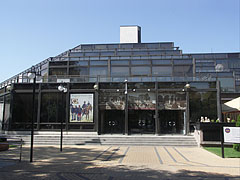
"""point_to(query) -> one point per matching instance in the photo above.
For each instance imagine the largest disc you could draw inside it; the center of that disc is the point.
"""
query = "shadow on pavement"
(80, 163)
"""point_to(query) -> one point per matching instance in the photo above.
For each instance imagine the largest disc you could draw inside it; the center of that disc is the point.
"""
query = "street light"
(186, 123)
(62, 89)
(32, 75)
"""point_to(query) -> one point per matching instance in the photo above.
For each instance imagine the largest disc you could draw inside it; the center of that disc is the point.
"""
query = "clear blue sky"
(33, 30)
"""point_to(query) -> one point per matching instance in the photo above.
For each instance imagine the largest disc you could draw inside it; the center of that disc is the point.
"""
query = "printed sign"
(231, 134)
(81, 108)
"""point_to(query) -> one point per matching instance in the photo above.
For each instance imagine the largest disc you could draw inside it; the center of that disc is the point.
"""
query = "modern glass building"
(125, 88)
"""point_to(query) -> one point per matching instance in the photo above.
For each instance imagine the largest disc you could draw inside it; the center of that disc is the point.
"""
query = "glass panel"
(144, 85)
(95, 71)
(119, 71)
(161, 62)
(141, 70)
(143, 101)
(140, 62)
(1, 111)
(162, 70)
(172, 101)
(51, 107)
(78, 71)
(182, 71)
(227, 84)
(185, 61)
(79, 63)
(95, 63)
(112, 85)
(112, 100)
(6, 116)
(203, 104)
(76, 54)
(58, 63)
(22, 108)
(119, 62)
(58, 71)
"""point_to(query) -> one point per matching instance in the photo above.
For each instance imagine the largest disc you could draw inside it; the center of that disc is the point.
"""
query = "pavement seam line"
(159, 158)
(181, 154)
(101, 153)
(111, 155)
(124, 155)
(170, 155)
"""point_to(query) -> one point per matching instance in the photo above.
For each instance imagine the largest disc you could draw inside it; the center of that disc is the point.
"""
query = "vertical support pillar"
(157, 123)
(219, 108)
(33, 118)
(67, 107)
(39, 106)
(96, 118)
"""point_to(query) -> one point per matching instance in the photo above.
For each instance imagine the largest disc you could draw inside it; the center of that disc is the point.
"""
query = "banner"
(231, 134)
(81, 108)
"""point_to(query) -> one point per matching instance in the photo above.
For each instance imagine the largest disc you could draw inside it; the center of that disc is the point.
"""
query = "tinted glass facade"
(121, 88)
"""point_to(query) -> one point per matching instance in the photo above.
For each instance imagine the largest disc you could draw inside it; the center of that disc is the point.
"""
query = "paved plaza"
(118, 162)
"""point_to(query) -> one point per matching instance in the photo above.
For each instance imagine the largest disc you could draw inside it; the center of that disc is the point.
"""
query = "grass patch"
(229, 152)
(12, 146)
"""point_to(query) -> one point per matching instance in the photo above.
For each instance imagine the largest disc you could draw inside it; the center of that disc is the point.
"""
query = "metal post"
(126, 108)
(61, 139)
(219, 107)
(33, 114)
(187, 113)
(222, 140)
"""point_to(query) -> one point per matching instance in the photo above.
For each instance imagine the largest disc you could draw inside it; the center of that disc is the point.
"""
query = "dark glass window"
(97, 63)
(119, 71)
(51, 107)
(183, 61)
(140, 62)
(58, 63)
(161, 62)
(78, 71)
(162, 70)
(101, 71)
(119, 62)
(58, 71)
(79, 63)
(1, 111)
(6, 116)
(203, 104)
(22, 108)
(182, 71)
(141, 70)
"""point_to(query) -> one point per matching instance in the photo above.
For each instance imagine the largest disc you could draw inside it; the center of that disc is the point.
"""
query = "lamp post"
(126, 106)
(32, 75)
(62, 89)
(186, 123)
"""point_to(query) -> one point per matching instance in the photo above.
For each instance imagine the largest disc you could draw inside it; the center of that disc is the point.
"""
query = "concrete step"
(112, 140)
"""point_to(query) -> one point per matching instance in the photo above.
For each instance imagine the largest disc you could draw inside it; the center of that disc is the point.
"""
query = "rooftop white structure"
(130, 34)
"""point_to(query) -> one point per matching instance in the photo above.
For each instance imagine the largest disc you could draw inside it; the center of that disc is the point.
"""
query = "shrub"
(233, 121)
(237, 146)
(217, 121)
(212, 120)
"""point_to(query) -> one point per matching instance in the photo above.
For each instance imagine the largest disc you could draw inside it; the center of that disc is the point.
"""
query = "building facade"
(125, 88)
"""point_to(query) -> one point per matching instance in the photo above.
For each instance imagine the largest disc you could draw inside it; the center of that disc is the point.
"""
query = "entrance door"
(171, 121)
(141, 121)
(112, 121)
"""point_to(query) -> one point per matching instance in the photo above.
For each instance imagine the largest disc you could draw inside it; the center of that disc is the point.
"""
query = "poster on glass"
(81, 108)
